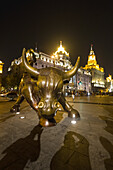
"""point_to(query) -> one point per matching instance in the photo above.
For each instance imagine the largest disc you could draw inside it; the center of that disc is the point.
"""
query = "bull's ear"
(33, 71)
(72, 72)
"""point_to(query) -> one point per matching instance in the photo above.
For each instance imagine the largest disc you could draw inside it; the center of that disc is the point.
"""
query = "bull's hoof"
(74, 114)
(47, 122)
(15, 108)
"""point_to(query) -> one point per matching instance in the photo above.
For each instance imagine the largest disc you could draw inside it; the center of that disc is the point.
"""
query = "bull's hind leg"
(16, 106)
(73, 113)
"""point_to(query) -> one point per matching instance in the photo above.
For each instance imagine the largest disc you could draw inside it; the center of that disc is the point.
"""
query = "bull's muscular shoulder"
(50, 71)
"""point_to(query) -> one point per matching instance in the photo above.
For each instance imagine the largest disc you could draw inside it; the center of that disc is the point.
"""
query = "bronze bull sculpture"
(44, 91)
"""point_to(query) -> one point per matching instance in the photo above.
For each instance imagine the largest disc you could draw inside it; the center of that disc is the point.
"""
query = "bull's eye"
(56, 104)
(41, 105)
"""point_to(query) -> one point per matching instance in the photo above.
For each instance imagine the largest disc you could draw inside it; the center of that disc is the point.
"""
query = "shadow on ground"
(74, 154)
(4, 119)
(106, 143)
(109, 148)
(24, 149)
(109, 122)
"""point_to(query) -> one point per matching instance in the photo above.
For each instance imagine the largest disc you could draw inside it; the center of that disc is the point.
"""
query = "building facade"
(97, 73)
(59, 59)
(1, 71)
(80, 82)
(109, 84)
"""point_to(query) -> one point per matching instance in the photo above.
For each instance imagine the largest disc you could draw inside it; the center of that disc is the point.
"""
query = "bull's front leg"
(73, 113)
(31, 97)
(27, 93)
(16, 106)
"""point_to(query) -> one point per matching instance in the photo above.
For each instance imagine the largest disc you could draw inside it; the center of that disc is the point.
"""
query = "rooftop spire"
(92, 51)
(61, 43)
(91, 47)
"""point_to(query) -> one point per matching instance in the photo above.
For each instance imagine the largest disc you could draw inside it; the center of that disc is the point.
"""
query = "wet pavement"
(88, 144)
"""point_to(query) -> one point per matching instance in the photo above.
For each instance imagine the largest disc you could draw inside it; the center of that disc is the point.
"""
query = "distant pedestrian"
(73, 96)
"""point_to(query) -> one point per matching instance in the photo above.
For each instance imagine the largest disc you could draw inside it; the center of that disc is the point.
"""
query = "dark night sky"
(76, 23)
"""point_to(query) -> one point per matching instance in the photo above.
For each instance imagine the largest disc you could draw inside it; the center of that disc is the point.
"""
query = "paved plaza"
(88, 144)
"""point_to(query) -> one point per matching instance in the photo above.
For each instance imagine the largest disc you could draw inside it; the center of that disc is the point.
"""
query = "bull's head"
(49, 87)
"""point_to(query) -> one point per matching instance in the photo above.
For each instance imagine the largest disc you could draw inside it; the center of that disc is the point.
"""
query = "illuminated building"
(1, 67)
(109, 84)
(62, 56)
(59, 59)
(1, 71)
(81, 81)
(98, 82)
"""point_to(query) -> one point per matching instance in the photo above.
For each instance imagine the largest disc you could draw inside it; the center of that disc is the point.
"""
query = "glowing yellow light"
(17, 113)
(1, 66)
(59, 109)
(46, 123)
(61, 49)
(43, 82)
(22, 117)
(36, 107)
(73, 115)
(109, 78)
(52, 56)
(73, 121)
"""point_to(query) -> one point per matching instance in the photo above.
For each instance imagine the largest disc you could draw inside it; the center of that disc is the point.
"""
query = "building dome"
(61, 50)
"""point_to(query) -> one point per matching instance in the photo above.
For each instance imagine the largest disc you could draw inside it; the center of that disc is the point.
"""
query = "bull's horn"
(33, 71)
(72, 72)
